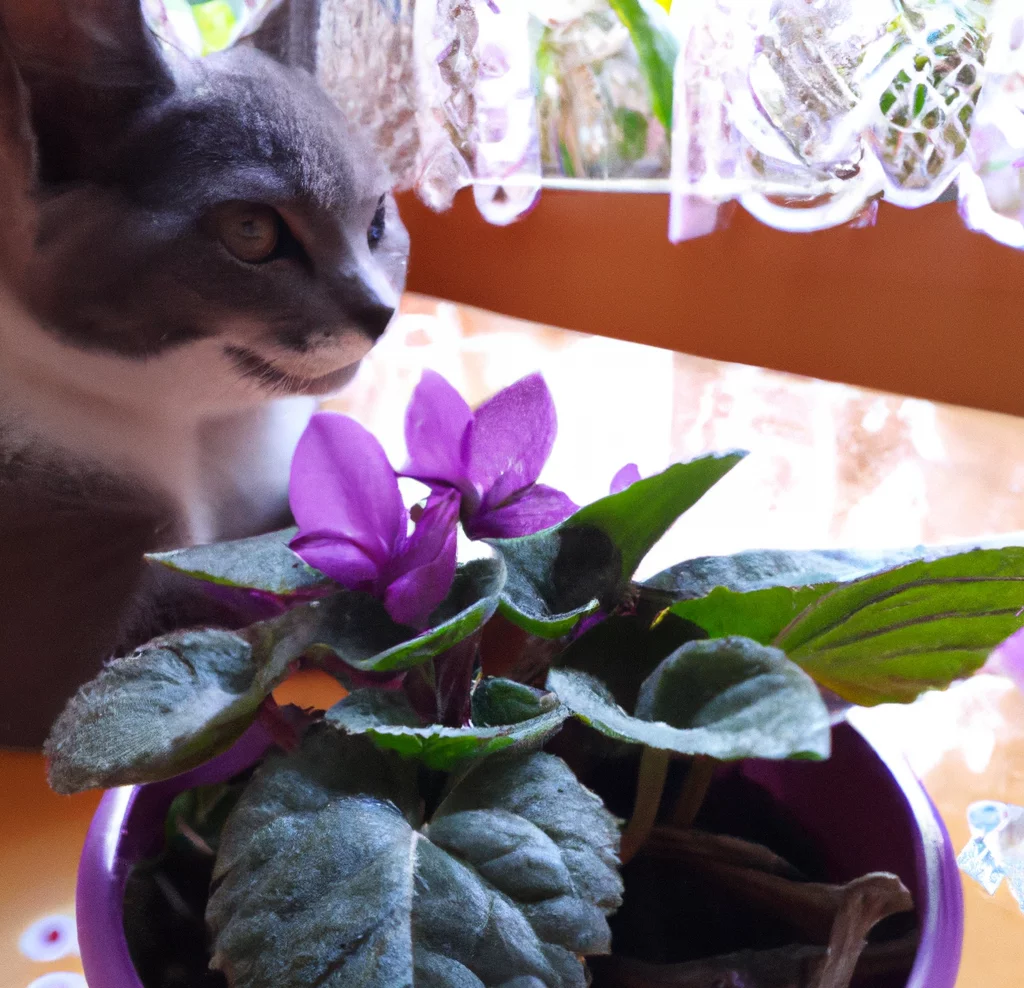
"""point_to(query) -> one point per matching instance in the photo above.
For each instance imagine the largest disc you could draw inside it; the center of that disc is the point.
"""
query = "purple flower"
(354, 527)
(492, 457)
(1008, 659)
(628, 475)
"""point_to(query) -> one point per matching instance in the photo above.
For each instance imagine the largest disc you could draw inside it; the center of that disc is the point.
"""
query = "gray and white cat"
(188, 251)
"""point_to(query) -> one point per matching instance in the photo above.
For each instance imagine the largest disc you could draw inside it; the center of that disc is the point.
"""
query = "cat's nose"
(373, 318)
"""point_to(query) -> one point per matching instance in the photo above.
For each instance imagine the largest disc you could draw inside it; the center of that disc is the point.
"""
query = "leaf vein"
(870, 633)
(879, 598)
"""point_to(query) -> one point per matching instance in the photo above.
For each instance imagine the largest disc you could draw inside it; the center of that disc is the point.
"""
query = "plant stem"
(281, 729)
(695, 788)
(650, 784)
(420, 687)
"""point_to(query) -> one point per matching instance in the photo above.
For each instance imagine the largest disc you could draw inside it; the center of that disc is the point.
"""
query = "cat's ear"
(286, 30)
(88, 66)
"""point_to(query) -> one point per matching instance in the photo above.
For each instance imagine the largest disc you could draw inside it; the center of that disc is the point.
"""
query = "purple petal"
(629, 474)
(511, 439)
(436, 523)
(586, 623)
(343, 560)
(536, 508)
(342, 482)
(1008, 659)
(422, 575)
(435, 425)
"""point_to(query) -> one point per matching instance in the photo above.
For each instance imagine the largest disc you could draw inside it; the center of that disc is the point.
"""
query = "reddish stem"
(286, 731)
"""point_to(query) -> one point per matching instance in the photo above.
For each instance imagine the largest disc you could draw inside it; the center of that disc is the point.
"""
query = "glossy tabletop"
(830, 465)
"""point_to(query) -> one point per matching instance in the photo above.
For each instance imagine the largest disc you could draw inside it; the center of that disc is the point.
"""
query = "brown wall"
(917, 305)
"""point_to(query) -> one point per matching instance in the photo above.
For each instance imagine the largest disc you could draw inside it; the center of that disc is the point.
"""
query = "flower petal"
(1008, 659)
(343, 560)
(511, 439)
(536, 508)
(422, 575)
(629, 474)
(435, 424)
(342, 482)
(586, 623)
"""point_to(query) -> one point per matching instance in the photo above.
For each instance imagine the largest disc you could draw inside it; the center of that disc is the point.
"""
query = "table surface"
(831, 465)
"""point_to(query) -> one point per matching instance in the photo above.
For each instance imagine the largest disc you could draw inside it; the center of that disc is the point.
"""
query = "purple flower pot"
(865, 808)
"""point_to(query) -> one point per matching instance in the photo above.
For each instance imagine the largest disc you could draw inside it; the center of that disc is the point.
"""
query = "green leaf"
(388, 719)
(632, 128)
(498, 701)
(636, 518)
(544, 593)
(759, 614)
(657, 49)
(623, 650)
(376, 644)
(557, 576)
(168, 707)
(184, 698)
(763, 568)
(756, 594)
(888, 637)
(365, 709)
(326, 875)
(356, 628)
(729, 698)
(263, 563)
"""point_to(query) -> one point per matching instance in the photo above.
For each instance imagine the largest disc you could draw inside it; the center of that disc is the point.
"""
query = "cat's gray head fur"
(118, 165)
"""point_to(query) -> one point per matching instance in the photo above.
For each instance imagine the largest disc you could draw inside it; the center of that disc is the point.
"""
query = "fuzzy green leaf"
(623, 650)
(181, 699)
(326, 876)
(557, 576)
(388, 719)
(357, 629)
(168, 707)
(263, 563)
(729, 698)
(469, 605)
(498, 701)
(657, 49)
(761, 569)
(371, 707)
(888, 637)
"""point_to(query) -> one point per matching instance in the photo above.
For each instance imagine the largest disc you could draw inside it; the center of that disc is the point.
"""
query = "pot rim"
(114, 843)
(112, 849)
(941, 917)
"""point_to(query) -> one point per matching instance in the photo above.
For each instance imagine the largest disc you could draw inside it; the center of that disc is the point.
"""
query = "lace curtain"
(804, 112)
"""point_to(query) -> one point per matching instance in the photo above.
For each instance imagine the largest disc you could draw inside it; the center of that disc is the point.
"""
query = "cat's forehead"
(238, 118)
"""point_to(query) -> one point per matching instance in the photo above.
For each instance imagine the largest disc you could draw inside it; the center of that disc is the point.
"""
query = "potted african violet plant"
(543, 772)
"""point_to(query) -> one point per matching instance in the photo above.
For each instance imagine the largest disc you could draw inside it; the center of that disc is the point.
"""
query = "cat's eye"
(375, 234)
(249, 231)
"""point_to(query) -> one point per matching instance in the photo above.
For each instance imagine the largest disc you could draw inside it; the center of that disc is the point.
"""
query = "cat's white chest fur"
(176, 425)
